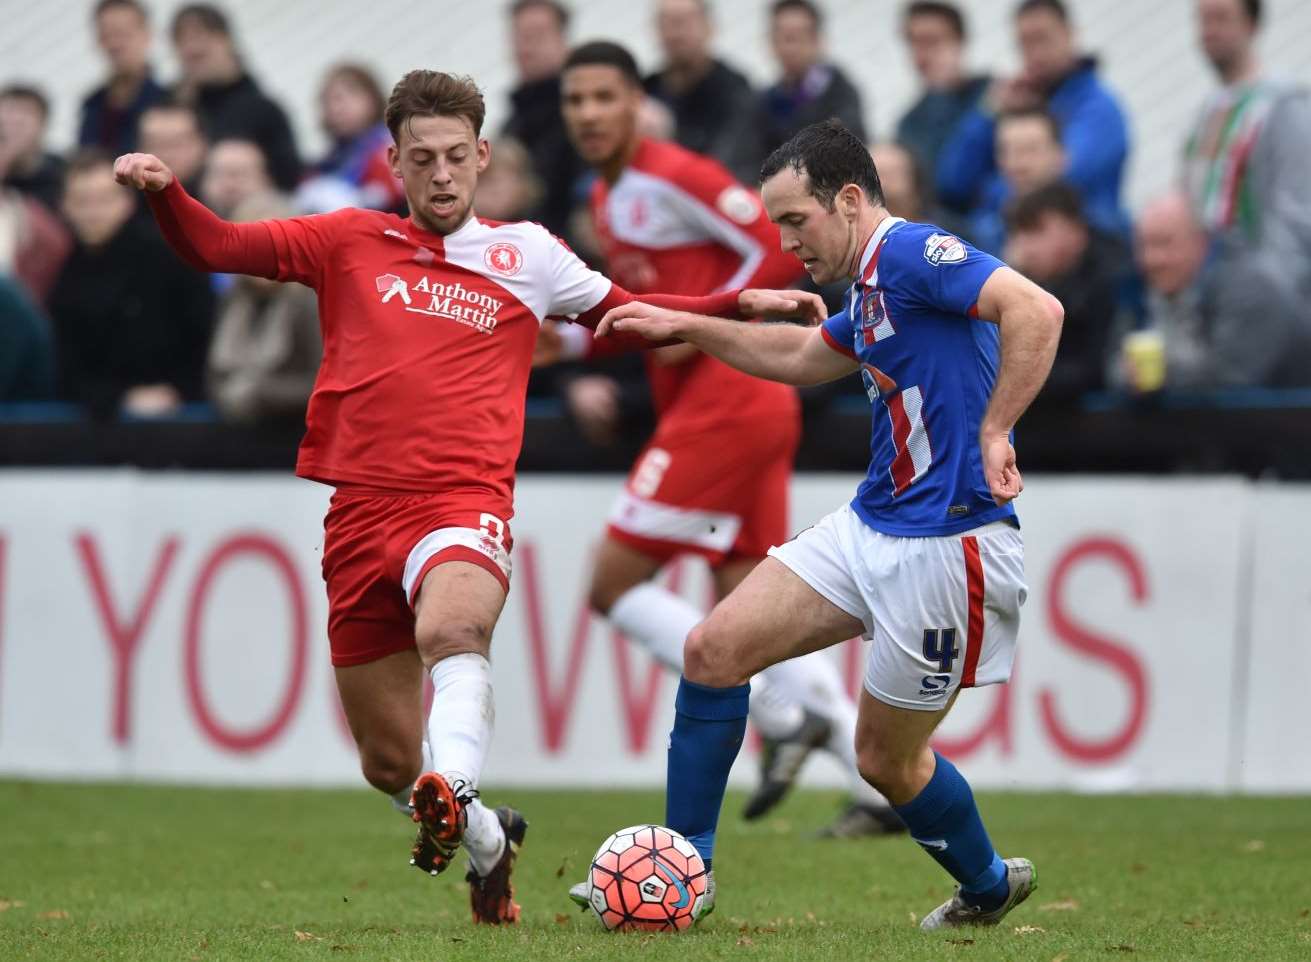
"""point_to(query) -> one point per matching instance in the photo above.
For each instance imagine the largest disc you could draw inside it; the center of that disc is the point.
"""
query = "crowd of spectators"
(1204, 287)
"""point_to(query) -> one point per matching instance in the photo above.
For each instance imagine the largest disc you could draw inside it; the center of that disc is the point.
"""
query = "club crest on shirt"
(738, 204)
(944, 249)
(504, 259)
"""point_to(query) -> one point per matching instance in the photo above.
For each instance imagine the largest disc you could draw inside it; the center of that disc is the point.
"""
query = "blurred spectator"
(1029, 156)
(906, 192)
(29, 168)
(267, 345)
(508, 189)
(935, 34)
(1057, 77)
(1052, 243)
(356, 172)
(111, 114)
(227, 100)
(1245, 162)
(713, 105)
(809, 90)
(1234, 323)
(131, 321)
(235, 171)
(33, 242)
(538, 30)
(171, 131)
(27, 359)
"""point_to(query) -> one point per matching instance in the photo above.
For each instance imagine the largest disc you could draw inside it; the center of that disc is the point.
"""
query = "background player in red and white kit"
(416, 419)
(714, 478)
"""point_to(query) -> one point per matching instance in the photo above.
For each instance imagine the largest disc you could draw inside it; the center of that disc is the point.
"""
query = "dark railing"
(1249, 432)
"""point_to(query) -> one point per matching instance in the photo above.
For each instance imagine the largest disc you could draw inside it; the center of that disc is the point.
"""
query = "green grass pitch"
(92, 872)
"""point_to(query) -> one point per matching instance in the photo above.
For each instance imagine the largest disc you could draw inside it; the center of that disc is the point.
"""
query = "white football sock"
(660, 621)
(813, 681)
(459, 734)
(772, 713)
(401, 800)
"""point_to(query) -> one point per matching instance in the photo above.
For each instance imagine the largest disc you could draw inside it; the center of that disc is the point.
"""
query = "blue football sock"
(945, 821)
(709, 724)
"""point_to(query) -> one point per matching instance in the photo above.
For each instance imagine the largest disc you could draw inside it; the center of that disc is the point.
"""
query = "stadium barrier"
(170, 627)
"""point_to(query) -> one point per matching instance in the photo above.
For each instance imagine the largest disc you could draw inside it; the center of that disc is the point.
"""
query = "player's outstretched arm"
(1030, 321)
(200, 238)
(779, 352)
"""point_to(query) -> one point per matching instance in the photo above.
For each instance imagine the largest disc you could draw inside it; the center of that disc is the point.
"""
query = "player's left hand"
(1004, 481)
(652, 323)
(783, 305)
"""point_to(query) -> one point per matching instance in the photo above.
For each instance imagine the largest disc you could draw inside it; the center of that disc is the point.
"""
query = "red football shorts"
(721, 494)
(377, 550)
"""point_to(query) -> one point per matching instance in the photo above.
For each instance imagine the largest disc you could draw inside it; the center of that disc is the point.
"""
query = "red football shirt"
(679, 222)
(427, 339)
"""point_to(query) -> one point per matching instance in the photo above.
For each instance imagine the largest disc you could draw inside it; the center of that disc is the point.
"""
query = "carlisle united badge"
(943, 249)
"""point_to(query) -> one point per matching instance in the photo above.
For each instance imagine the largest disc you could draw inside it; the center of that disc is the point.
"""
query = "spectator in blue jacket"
(1056, 76)
(935, 37)
(111, 114)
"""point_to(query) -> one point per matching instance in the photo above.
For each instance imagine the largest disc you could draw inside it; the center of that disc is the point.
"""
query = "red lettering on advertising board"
(124, 635)
(1115, 655)
(261, 735)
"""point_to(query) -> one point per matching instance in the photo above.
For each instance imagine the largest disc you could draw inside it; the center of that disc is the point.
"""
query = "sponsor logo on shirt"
(943, 249)
(452, 302)
(738, 204)
(504, 259)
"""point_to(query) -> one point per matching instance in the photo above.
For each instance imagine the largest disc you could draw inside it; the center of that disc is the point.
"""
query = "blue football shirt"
(928, 364)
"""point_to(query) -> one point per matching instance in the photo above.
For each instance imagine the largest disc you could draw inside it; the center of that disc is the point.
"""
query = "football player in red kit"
(416, 420)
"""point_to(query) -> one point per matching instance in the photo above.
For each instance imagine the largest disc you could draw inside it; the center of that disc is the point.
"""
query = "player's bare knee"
(708, 659)
(438, 641)
(388, 768)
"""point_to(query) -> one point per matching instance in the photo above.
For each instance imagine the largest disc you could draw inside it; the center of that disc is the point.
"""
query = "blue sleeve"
(839, 334)
(939, 270)
(966, 159)
(1096, 143)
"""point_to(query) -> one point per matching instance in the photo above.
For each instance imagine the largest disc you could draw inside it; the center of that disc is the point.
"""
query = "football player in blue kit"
(927, 558)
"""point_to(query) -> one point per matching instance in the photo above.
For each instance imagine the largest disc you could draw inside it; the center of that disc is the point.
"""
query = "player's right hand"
(142, 171)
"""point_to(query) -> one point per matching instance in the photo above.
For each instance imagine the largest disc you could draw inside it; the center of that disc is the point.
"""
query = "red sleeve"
(734, 216)
(206, 241)
(723, 304)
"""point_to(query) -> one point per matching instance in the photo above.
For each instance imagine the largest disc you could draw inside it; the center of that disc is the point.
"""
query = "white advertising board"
(171, 627)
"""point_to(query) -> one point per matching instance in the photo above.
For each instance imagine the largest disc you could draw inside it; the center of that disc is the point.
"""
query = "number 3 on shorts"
(940, 646)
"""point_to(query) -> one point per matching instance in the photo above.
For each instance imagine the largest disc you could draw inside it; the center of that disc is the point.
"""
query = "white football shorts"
(942, 612)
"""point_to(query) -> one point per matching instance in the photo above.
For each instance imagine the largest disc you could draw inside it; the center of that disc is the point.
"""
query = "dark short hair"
(1026, 211)
(86, 159)
(935, 8)
(604, 53)
(172, 105)
(830, 156)
(805, 6)
(205, 15)
(134, 5)
(562, 15)
(1253, 10)
(1041, 114)
(29, 93)
(1055, 7)
(431, 93)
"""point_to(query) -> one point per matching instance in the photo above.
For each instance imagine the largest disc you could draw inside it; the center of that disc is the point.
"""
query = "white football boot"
(1021, 880)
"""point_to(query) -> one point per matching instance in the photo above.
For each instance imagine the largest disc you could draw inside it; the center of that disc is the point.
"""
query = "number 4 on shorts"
(940, 646)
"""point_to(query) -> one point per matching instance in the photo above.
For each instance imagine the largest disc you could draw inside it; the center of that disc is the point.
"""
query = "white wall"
(157, 626)
(1147, 46)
